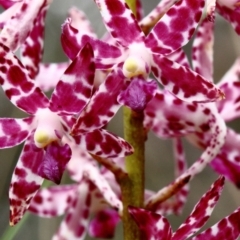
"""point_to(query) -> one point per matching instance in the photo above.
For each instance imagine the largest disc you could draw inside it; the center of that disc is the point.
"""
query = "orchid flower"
(136, 55)
(157, 227)
(47, 131)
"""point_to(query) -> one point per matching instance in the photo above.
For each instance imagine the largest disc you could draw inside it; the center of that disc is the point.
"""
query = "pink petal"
(227, 161)
(183, 82)
(49, 75)
(73, 40)
(203, 50)
(179, 57)
(231, 14)
(104, 144)
(116, 16)
(79, 21)
(107, 194)
(103, 105)
(17, 29)
(201, 212)
(229, 108)
(74, 89)
(79, 158)
(8, 3)
(11, 11)
(138, 93)
(53, 201)
(152, 225)
(25, 181)
(228, 228)
(14, 131)
(19, 88)
(54, 162)
(168, 116)
(103, 224)
(74, 225)
(180, 168)
(32, 48)
(153, 17)
(176, 27)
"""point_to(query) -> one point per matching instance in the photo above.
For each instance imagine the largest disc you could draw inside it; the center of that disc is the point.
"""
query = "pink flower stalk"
(157, 227)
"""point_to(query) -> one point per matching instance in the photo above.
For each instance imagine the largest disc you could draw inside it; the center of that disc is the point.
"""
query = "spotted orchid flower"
(91, 194)
(137, 55)
(47, 149)
(157, 227)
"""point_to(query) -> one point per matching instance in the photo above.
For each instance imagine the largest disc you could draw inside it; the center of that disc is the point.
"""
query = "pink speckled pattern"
(155, 226)
(10, 34)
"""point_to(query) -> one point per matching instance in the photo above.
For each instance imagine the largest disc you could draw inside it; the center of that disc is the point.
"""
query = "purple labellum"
(54, 162)
(138, 94)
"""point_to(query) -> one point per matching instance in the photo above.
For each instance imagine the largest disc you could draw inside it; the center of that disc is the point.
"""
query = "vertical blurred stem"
(133, 186)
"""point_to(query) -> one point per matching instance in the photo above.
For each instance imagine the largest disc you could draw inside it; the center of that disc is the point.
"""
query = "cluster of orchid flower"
(67, 132)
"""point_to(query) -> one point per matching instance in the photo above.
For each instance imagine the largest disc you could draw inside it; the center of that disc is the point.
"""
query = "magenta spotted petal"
(74, 225)
(73, 40)
(180, 168)
(19, 88)
(227, 161)
(176, 27)
(18, 27)
(53, 201)
(8, 3)
(155, 226)
(202, 51)
(117, 15)
(230, 11)
(14, 131)
(201, 212)
(25, 181)
(229, 108)
(228, 228)
(103, 104)
(104, 144)
(103, 224)
(162, 7)
(74, 89)
(32, 48)
(183, 82)
(151, 225)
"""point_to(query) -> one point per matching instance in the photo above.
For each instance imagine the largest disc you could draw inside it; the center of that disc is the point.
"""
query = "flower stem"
(133, 186)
